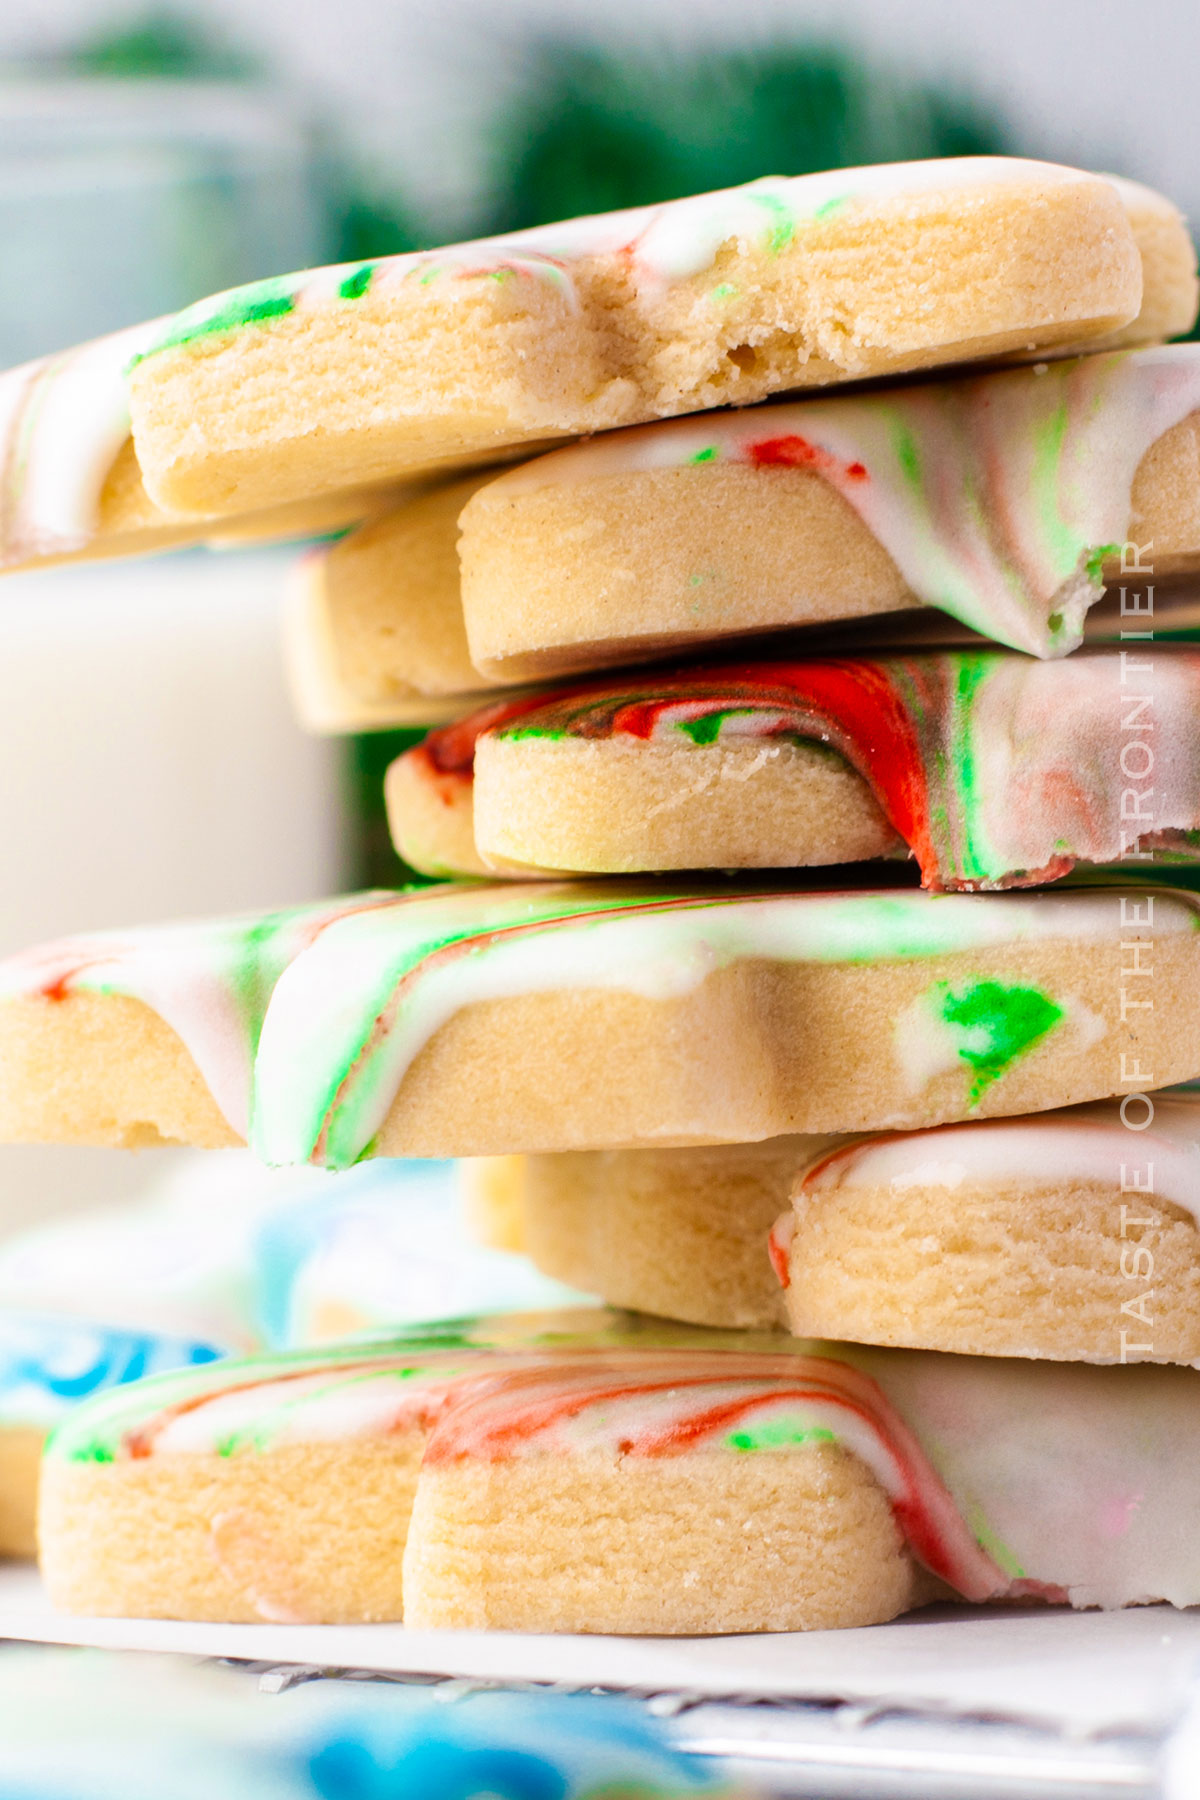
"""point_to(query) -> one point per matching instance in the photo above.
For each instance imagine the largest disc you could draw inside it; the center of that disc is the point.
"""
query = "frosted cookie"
(70, 485)
(1002, 1238)
(479, 1019)
(1003, 500)
(592, 1473)
(460, 354)
(990, 769)
(227, 1257)
(1071, 1235)
(71, 482)
(48, 1365)
(999, 504)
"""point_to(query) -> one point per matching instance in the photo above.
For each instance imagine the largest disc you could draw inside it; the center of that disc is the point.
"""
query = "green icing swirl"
(256, 304)
(996, 1023)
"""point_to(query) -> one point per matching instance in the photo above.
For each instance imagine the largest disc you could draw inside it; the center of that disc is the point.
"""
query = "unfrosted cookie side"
(679, 1233)
(1170, 292)
(1032, 1269)
(308, 1531)
(101, 1069)
(20, 1457)
(620, 807)
(948, 1257)
(679, 1546)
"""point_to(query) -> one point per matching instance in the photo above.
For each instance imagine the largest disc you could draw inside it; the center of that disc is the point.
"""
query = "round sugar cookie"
(1005, 1238)
(992, 770)
(593, 1472)
(476, 1019)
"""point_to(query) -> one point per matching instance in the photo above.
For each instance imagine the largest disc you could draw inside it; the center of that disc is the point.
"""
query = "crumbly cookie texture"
(71, 484)
(339, 376)
(475, 1019)
(992, 770)
(1000, 1238)
(483, 1474)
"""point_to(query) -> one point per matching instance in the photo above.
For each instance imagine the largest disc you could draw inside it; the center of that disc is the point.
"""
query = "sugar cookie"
(1002, 499)
(590, 1472)
(47, 1366)
(70, 485)
(335, 377)
(70, 480)
(991, 769)
(865, 508)
(475, 1020)
(1005, 1238)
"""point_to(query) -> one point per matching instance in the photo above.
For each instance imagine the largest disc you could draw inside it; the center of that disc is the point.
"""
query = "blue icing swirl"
(48, 1364)
(512, 1745)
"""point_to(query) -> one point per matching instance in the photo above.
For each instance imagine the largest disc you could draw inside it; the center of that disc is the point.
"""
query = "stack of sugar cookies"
(873, 1166)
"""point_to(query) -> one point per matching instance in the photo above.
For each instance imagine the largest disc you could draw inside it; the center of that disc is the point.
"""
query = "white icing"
(62, 422)
(1088, 1477)
(996, 525)
(189, 975)
(682, 237)
(316, 1018)
(1083, 1144)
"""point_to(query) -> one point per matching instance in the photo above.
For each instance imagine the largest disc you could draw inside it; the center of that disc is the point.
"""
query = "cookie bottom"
(20, 1458)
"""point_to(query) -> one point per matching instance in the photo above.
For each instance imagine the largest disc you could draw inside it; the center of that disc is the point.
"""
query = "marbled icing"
(306, 1023)
(63, 420)
(997, 771)
(998, 496)
(1006, 1478)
